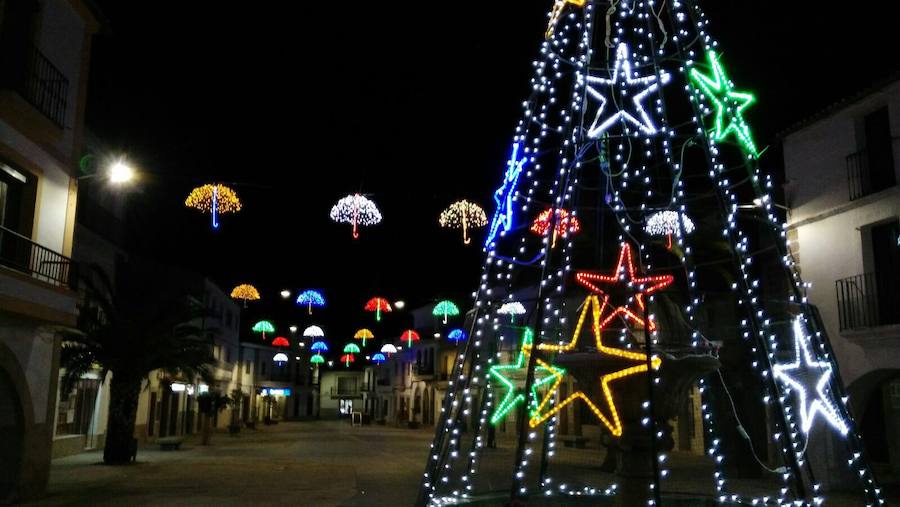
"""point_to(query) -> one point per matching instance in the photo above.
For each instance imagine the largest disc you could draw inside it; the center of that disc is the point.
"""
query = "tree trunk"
(206, 430)
(123, 401)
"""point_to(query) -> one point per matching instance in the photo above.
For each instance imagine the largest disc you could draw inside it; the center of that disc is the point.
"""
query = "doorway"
(13, 431)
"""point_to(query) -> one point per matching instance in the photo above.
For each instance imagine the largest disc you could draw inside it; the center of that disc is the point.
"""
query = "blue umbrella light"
(311, 298)
(319, 347)
(456, 335)
(378, 358)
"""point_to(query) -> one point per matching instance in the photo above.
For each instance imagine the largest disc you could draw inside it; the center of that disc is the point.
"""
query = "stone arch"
(16, 414)
(862, 389)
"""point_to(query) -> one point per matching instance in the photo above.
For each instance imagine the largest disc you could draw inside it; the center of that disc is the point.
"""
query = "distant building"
(44, 61)
(844, 228)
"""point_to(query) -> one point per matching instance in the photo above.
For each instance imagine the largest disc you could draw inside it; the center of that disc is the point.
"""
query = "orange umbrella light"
(409, 336)
(246, 292)
(214, 199)
(562, 222)
(281, 341)
(463, 215)
(378, 305)
(364, 334)
(347, 359)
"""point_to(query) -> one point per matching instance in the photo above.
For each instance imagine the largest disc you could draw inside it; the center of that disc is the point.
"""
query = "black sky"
(411, 102)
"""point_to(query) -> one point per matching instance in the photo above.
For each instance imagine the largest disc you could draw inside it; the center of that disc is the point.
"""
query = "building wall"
(829, 230)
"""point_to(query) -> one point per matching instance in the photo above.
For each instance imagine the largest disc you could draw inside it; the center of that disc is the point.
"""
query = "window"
(346, 385)
(886, 261)
(76, 410)
(879, 149)
(18, 189)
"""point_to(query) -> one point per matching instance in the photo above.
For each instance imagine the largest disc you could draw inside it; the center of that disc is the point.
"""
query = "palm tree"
(130, 328)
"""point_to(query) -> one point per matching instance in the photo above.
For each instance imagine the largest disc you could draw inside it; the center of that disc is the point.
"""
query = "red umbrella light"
(378, 305)
(409, 336)
(347, 359)
(565, 223)
(281, 341)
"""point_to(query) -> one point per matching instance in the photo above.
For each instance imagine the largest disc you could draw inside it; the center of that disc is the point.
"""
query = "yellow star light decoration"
(556, 13)
(611, 421)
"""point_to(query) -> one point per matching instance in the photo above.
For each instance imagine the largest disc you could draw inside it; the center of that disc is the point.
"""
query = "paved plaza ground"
(315, 463)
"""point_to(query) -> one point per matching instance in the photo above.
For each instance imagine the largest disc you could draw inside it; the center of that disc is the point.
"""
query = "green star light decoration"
(513, 395)
(720, 91)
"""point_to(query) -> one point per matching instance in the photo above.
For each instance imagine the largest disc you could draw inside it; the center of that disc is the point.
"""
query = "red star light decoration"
(645, 286)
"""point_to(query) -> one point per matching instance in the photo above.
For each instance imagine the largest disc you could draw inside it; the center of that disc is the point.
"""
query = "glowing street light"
(399, 304)
(285, 294)
(120, 173)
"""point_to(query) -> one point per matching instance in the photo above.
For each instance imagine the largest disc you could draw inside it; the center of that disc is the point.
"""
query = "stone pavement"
(313, 463)
(322, 463)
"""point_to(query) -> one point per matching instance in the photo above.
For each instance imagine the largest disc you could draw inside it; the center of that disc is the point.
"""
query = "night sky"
(413, 103)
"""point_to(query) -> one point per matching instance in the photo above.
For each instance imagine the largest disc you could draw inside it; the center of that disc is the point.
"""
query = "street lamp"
(120, 173)
(285, 294)
(399, 304)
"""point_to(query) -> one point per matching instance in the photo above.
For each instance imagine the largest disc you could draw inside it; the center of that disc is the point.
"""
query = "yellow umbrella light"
(364, 334)
(246, 292)
(214, 199)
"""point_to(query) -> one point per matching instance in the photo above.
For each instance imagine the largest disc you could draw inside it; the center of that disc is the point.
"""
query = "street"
(320, 463)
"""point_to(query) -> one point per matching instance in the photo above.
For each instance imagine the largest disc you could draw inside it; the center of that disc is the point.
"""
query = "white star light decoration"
(646, 85)
(793, 377)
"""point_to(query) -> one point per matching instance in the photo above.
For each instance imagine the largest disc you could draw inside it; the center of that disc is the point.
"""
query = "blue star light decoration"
(643, 86)
(503, 196)
(796, 376)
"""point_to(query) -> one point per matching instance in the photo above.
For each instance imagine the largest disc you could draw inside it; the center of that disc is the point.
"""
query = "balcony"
(345, 392)
(19, 253)
(30, 74)
(866, 301)
(867, 175)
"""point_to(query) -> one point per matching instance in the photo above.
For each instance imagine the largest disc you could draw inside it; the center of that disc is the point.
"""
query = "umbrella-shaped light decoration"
(388, 349)
(356, 210)
(351, 348)
(409, 336)
(378, 358)
(263, 326)
(311, 298)
(378, 305)
(563, 224)
(280, 359)
(364, 334)
(316, 359)
(281, 341)
(347, 359)
(313, 332)
(512, 309)
(214, 199)
(319, 347)
(245, 292)
(665, 223)
(463, 215)
(456, 335)
(445, 308)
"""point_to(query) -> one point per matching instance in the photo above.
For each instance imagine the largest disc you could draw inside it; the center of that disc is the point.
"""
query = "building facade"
(844, 229)
(44, 61)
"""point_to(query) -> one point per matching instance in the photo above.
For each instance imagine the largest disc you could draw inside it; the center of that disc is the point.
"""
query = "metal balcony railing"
(866, 300)
(863, 179)
(858, 177)
(345, 392)
(21, 254)
(34, 77)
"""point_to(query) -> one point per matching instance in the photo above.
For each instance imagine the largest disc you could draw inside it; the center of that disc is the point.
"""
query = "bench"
(576, 442)
(169, 443)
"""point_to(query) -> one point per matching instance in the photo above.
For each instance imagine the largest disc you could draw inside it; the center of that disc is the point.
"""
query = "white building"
(844, 225)
(44, 61)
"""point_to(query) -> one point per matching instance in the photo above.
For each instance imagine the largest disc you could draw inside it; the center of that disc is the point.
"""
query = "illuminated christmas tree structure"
(609, 363)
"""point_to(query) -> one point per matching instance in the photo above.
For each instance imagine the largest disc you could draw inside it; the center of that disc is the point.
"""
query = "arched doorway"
(877, 396)
(426, 409)
(12, 429)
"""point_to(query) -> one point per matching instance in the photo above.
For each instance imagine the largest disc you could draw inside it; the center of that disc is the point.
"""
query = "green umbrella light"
(263, 326)
(446, 308)
(351, 348)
